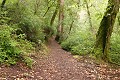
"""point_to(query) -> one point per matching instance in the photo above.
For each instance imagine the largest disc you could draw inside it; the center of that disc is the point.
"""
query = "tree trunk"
(70, 29)
(71, 25)
(54, 14)
(60, 21)
(48, 8)
(103, 36)
(89, 16)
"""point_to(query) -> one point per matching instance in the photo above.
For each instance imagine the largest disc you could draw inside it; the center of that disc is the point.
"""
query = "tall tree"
(103, 36)
(54, 14)
(89, 15)
(60, 21)
(48, 8)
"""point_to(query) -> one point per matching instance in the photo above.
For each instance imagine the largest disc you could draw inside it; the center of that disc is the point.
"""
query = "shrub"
(115, 49)
(28, 61)
(8, 50)
(79, 43)
(27, 22)
(115, 58)
(12, 46)
(115, 44)
(30, 25)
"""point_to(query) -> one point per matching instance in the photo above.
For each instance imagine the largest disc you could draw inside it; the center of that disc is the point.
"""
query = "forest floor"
(59, 65)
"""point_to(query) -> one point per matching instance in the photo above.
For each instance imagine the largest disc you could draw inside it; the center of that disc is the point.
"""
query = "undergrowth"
(79, 43)
(11, 48)
(20, 34)
(115, 49)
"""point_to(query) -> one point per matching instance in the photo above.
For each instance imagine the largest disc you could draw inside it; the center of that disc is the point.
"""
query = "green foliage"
(3, 17)
(31, 26)
(12, 45)
(20, 29)
(27, 21)
(79, 43)
(115, 58)
(115, 49)
(115, 44)
(24, 23)
(28, 61)
(9, 52)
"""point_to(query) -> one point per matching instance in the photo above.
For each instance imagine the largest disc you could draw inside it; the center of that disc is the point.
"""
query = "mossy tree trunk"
(54, 14)
(60, 21)
(103, 36)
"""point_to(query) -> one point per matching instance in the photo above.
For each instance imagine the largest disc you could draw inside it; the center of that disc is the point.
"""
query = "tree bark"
(89, 15)
(60, 21)
(48, 8)
(54, 14)
(103, 36)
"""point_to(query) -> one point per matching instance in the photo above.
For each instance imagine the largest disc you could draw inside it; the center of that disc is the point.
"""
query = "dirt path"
(59, 65)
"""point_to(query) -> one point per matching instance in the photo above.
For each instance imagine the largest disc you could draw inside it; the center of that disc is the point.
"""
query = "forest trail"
(58, 65)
